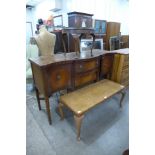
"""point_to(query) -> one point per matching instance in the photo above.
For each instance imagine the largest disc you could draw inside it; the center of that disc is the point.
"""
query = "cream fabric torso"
(45, 42)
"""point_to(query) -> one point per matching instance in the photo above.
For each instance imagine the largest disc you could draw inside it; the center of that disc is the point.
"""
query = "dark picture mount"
(100, 26)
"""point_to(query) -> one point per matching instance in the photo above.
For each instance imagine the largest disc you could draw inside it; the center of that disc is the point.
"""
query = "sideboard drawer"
(82, 79)
(84, 66)
(59, 77)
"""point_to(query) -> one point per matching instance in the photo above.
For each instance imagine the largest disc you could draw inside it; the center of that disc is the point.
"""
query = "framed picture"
(58, 21)
(100, 26)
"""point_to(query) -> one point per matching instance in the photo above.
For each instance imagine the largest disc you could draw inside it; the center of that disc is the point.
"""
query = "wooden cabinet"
(113, 29)
(120, 72)
(71, 71)
(79, 19)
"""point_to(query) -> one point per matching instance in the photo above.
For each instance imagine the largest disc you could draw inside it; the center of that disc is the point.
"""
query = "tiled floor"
(105, 129)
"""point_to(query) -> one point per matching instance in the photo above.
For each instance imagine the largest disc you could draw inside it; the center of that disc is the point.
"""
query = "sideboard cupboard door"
(59, 77)
(106, 65)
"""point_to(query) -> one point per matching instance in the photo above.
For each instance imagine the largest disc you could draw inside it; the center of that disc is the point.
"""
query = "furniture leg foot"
(78, 121)
(38, 99)
(48, 109)
(60, 106)
(123, 95)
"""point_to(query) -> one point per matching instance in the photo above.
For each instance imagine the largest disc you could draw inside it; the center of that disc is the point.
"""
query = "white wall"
(30, 17)
(42, 9)
(110, 10)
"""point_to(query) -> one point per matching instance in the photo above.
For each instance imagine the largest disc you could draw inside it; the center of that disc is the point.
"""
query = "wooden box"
(79, 20)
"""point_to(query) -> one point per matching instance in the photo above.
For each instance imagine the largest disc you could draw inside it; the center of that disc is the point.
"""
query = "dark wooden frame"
(98, 20)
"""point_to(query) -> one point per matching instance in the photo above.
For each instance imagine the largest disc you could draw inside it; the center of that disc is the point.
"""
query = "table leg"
(78, 121)
(123, 94)
(48, 109)
(60, 106)
(38, 99)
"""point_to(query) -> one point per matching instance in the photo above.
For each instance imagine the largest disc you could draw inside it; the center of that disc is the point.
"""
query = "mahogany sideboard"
(70, 71)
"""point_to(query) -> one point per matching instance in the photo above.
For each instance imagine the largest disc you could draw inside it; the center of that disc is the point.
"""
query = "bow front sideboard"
(71, 71)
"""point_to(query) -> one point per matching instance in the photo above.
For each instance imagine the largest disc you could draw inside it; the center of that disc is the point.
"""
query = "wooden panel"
(126, 58)
(120, 71)
(125, 74)
(125, 41)
(113, 29)
(38, 78)
(115, 67)
(59, 77)
(121, 65)
(83, 79)
(106, 65)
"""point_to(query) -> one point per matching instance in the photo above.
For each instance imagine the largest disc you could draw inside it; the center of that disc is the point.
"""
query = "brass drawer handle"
(58, 77)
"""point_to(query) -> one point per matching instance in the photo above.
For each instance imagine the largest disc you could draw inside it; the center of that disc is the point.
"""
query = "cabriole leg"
(78, 121)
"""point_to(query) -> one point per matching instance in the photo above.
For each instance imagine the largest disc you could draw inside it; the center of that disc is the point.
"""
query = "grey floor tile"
(36, 142)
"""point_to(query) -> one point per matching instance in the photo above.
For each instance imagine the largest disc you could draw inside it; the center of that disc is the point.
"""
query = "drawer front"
(85, 78)
(86, 66)
(60, 77)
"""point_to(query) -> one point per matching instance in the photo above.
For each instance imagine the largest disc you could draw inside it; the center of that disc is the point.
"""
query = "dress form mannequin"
(45, 42)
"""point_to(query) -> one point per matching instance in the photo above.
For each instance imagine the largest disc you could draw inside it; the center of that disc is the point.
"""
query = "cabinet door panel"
(60, 77)
(106, 65)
